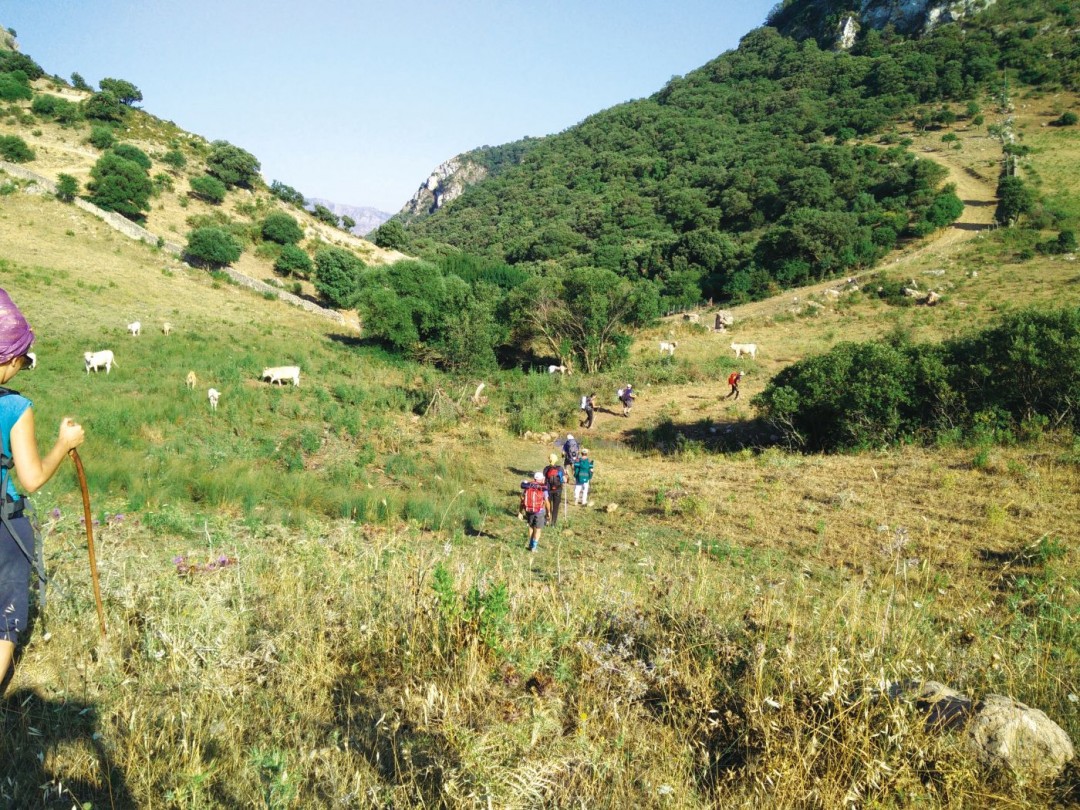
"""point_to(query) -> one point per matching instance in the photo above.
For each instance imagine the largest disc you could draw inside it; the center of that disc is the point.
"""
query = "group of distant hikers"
(542, 497)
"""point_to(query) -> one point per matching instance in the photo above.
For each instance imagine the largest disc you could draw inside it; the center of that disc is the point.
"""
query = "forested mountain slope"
(754, 171)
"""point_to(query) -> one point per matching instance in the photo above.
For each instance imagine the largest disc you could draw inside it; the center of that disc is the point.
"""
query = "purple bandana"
(15, 334)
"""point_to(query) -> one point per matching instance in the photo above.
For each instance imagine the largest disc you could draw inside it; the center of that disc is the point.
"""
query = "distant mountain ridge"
(367, 219)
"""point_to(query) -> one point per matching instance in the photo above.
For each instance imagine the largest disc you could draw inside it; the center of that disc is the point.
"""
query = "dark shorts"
(535, 520)
(14, 580)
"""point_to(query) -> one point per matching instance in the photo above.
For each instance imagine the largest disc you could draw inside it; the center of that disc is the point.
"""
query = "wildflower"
(118, 518)
(55, 513)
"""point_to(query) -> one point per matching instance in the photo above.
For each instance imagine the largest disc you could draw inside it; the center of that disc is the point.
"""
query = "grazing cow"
(558, 370)
(668, 347)
(166, 328)
(32, 358)
(95, 360)
(135, 327)
(744, 348)
(192, 380)
(280, 374)
(213, 395)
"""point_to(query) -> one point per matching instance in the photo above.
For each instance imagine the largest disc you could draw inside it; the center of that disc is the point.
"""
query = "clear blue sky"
(357, 102)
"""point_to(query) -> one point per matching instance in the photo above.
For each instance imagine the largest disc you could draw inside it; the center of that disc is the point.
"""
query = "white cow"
(279, 374)
(95, 360)
(668, 347)
(32, 358)
(557, 370)
(135, 327)
(213, 395)
(744, 348)
(191, 380)
(166, 328)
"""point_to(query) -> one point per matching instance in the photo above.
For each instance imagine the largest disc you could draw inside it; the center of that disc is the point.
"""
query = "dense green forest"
(750, 173)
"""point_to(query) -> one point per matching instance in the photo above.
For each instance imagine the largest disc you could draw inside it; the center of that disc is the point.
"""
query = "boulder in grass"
(1006, 733)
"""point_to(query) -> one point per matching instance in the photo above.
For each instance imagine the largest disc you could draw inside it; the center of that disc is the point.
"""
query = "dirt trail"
(700, 401)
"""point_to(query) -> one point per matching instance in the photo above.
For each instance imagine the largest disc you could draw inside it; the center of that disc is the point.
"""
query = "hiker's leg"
(585, 493)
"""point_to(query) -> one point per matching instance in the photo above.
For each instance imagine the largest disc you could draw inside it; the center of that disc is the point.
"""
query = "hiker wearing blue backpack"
(535, 505)
(20, 451)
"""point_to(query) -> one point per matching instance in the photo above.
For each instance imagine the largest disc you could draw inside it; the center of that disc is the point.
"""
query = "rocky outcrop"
(817, 19)
(446, 183)
(917, 16)
(7, 41)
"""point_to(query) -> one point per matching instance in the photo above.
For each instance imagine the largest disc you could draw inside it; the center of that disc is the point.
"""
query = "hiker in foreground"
(535, 504)
(583, 472)
(554, 478)
(626, 396)
(20, 451)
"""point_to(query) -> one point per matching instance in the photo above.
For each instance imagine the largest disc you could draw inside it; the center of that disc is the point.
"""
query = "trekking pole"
(88, 518)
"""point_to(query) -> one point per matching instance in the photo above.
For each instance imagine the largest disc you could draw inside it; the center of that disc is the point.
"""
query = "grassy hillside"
(319, 596)
(65, 148)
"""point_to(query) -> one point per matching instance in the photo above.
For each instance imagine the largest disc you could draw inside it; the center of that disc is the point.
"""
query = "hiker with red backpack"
(733, 380)
(554, 478)
(535, 504)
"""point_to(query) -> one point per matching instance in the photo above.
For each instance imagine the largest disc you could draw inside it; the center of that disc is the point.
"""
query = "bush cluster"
(1020, 373)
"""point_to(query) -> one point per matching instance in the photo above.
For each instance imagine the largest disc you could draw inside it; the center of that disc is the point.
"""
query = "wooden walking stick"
(88, 517)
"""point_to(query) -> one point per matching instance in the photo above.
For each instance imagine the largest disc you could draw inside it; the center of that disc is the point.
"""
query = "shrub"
(1015, 199)
(67, 187)
(293, 261)
(208, 188)
(15, 87)
(125, 92)
(102, 137)
(989, 386)
(232, 165)
(281, 228)
(212, 247)
(1067, 119)
(133, 153)
(337, 275)
(391, 235)
(174, 159)
(286, 193)
(120, 185)
(14, 149)
(104, 107)
(324, 214)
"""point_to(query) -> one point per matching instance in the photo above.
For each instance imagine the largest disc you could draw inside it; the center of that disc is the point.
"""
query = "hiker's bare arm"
(32, 469)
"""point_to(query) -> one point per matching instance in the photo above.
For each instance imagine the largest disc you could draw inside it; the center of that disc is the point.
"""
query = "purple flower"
(118, 518)
(178, 559)
(56, 513)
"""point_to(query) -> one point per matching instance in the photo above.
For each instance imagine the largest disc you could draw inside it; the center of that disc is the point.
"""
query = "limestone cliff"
(835, 23)
(446, 183)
